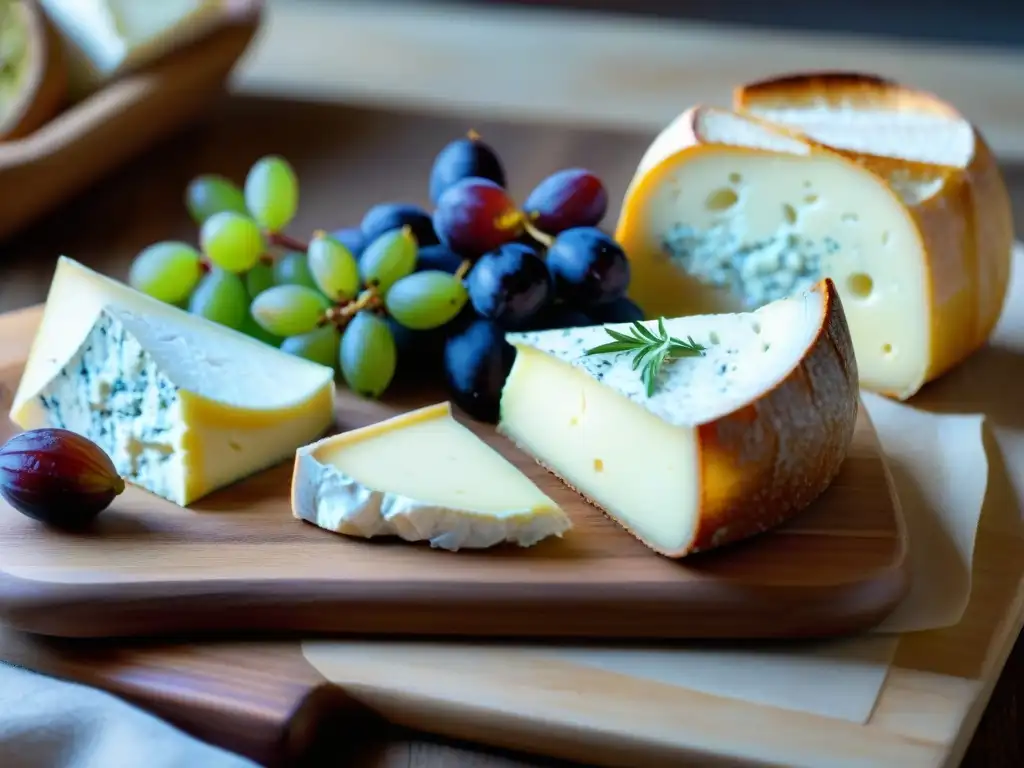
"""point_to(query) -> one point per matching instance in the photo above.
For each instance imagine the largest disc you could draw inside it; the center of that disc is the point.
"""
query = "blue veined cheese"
(729, 444)
(183, 406)
(421, 476)
(727, 212)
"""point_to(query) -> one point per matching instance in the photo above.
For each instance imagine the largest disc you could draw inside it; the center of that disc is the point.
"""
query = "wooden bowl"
(66, 154)
(43, 93)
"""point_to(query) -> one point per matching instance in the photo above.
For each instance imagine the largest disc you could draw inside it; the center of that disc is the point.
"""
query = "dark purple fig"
(57, 477)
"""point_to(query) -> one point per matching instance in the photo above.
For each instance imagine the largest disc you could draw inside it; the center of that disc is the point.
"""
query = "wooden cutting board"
(238, 561)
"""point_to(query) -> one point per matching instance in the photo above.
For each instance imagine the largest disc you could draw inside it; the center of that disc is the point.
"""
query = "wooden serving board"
(239, 562)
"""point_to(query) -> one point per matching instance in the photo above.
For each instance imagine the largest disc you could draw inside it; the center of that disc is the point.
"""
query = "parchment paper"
(935, 451)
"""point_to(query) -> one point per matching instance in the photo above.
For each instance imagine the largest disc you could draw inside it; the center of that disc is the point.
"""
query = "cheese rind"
(730, 444)
(727, 211)
(182, 406)
(421, 476)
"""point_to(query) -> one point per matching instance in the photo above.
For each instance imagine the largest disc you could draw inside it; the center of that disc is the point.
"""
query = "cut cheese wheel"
(729, 444)
(182, 406)
(728, 211)
(421, 476)
(962, 203)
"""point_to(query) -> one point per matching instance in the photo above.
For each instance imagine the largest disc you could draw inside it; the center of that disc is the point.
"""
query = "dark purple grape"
(477, 360)
(420, 353)
(622, 310)
(560, 316)
(510, 285)
(385, 217)
(437, 257)
(352, 238)
(463, 159)
(588, 267)
(571, 198)
(475, 216)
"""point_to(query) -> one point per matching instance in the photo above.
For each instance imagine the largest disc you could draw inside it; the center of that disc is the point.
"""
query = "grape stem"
(463, 269)
(281, 240)
(541, 237)
(341, 314)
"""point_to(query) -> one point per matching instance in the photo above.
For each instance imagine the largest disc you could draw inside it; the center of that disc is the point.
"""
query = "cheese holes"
(887, 350)
(714, 338)
(849, 218)
(789, 213)
(598, 465)
(755, 327)
(885, 237)
(721, 199)
(735, 178)
(860, 285)
(810, 199)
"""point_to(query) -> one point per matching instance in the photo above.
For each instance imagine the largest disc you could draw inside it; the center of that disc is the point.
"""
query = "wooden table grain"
(347, 160)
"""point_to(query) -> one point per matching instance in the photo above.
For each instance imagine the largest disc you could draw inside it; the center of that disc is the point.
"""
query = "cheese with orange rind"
(729, 210)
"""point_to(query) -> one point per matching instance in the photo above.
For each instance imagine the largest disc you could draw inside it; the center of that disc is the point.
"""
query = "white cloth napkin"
(46, 723)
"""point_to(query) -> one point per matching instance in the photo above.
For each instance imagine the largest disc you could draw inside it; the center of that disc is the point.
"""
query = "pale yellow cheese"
(727, 212)
(183, 406)
(421, 476)
(730, 443)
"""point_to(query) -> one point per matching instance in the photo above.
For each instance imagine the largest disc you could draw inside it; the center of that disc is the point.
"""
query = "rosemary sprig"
(650, 349)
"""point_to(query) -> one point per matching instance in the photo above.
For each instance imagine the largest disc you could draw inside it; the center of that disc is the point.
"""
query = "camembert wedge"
(182, 406)
(729, 444)
(729, 210)
(421, 476)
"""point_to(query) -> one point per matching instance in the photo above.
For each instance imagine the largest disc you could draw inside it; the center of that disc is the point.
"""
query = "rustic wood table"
(347, 160)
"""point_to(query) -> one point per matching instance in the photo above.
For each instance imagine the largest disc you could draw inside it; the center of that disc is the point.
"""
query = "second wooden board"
(238, 561)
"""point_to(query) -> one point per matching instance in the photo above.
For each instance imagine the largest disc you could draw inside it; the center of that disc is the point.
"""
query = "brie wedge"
(421, 476)
(730, 444)
(182, 406)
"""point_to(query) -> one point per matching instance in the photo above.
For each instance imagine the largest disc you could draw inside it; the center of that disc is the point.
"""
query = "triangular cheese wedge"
(730, 443)
(728, 211)
(183, 406)
(421, 476)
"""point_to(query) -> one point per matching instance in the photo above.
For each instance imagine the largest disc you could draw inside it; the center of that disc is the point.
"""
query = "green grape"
(367, 355)
(272, 193)
(166, 271)
(209, 194)
(251, 328)
(333, 267)
(259, 278)
(288, 310)
(222, 298)
(293, 269)
(388, 259)
(425, 300)
(320, 346)
(232, 241)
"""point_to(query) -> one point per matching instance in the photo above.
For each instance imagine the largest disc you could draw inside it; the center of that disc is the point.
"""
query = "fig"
(57, 477)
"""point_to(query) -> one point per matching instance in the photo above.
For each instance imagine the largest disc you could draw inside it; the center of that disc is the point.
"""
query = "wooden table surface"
(348, 160)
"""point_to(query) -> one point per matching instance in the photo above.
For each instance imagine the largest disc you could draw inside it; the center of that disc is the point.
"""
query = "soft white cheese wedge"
(104, 38)
(730, 444)
(421, 476)
(182, 406)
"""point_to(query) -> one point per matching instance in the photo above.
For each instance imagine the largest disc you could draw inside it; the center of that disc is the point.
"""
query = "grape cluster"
(407, 293)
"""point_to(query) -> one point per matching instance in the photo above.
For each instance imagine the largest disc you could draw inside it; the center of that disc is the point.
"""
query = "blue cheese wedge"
(421, 476)
(182, 406)
(730, 443)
